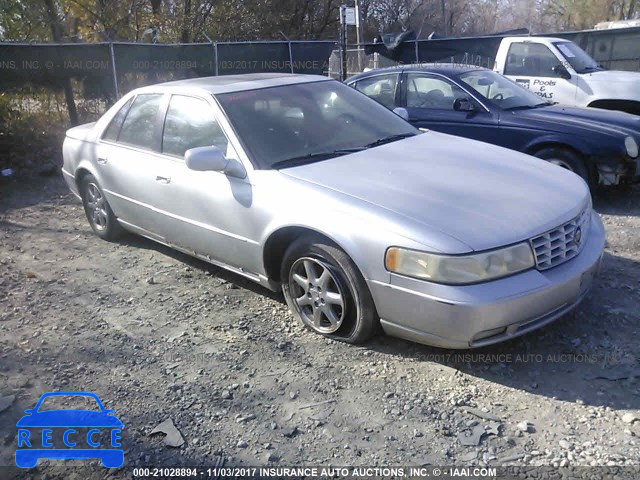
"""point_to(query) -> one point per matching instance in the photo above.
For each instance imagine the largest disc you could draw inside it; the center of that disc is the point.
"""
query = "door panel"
(126, 162)
(205, 212)
(429, 101)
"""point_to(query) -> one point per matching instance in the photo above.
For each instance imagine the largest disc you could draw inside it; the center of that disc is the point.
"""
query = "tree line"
(170, 21)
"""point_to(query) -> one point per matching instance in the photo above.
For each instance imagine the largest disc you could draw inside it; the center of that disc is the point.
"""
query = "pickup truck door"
(539, 68)
(429, 100)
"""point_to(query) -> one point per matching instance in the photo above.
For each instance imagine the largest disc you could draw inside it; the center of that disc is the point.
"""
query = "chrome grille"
(563, 243)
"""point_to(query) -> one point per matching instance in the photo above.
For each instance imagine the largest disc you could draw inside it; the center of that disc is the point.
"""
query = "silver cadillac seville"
(302, 183)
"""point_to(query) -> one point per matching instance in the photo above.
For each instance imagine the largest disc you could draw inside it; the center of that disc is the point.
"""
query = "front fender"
(573, 142)
(364, 242)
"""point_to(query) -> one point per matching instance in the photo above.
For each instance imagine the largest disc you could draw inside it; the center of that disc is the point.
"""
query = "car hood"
(69, 418)
(589, 120)
(482, 195)
(617, 76)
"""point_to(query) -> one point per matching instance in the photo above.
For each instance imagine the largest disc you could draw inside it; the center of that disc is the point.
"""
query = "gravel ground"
(158, 335)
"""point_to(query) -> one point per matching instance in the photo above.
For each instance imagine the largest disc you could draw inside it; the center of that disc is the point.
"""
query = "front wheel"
(566, 159)
(326, 292)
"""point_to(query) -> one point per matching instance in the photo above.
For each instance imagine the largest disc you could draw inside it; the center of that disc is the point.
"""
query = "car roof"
(234, 83)
(447, 69)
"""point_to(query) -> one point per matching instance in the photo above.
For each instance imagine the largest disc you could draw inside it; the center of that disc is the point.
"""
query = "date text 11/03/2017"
(314, 472)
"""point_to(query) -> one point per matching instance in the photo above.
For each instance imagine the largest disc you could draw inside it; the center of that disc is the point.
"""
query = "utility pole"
(359, 38)
(343, 43)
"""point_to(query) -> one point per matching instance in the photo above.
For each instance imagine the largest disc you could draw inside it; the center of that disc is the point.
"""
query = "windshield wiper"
(389, 139)
(592, 68)
(527, 107)
(313, 157)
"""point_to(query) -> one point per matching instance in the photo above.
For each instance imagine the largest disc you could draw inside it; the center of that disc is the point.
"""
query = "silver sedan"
(302, 183)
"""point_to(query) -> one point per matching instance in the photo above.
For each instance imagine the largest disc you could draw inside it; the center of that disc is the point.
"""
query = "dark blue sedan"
(599, 145)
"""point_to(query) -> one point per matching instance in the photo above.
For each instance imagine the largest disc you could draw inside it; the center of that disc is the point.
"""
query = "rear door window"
(113, 130)
(139, 125)
(382, 88)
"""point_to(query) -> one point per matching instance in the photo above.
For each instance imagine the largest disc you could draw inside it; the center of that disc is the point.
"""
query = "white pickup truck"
(560, 71)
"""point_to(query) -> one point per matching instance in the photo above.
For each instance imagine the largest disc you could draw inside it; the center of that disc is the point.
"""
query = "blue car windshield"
(501, 91)
(67, 402)
(289, 125)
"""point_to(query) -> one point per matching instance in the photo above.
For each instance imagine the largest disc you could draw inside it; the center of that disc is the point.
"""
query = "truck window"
(578, 58)
(530, 60)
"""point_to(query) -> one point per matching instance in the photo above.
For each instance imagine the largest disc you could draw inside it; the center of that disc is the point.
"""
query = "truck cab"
(559, 71)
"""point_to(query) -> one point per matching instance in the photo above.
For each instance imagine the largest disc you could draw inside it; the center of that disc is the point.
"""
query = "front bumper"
(473, 316)
(617, 174)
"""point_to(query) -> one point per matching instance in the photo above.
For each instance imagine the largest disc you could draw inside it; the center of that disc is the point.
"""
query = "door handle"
(102, 160)
(164, 180)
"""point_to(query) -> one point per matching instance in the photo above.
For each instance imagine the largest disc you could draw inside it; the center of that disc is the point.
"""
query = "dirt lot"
(159, 336)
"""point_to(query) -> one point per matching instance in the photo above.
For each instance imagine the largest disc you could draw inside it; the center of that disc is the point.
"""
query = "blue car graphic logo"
(69, 434)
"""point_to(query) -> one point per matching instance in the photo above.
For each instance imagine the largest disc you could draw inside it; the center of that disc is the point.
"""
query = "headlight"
(632, 147)
(460, 269)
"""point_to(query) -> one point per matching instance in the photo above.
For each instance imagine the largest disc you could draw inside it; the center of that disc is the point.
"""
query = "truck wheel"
(566, 159)
(326, 292)
(101, 218)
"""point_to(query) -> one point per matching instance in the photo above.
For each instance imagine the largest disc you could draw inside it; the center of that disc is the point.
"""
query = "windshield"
(309, 122)
(501, 91)
(577, 58)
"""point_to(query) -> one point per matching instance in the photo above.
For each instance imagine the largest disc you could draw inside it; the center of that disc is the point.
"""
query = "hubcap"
(560, 163)
(96, 208)
(317, 295)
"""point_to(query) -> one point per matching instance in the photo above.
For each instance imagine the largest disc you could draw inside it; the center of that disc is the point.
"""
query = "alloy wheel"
(317, 295)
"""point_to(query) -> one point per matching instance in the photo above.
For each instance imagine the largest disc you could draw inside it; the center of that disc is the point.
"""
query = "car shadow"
(233, 279)
(623, 200)
(588, 356)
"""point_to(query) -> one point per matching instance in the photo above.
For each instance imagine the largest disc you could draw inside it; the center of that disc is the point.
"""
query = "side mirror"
(561, 71)
(207, 159)
(204, 159)
(402, 113)
(463, 104)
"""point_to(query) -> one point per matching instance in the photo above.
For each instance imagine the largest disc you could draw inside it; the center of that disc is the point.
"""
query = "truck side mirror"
(562, 72)
(463, 104)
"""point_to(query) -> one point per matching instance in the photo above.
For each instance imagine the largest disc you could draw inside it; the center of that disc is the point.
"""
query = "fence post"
(416, 50)
(215, 55)
(290, 56)
(113, 70)
(215, 52)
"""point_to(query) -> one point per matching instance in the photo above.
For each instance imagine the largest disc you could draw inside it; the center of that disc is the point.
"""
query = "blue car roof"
(446, 69)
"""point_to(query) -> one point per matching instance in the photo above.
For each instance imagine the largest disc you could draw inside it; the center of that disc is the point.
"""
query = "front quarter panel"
(362, 230)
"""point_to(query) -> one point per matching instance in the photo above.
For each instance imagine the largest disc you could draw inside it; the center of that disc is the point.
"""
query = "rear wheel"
(326, 292)
(567, 159)
(101, 218)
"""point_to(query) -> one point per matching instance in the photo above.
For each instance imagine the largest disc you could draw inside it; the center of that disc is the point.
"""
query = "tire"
(101, 218)
(336, 303)
(567, 159)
